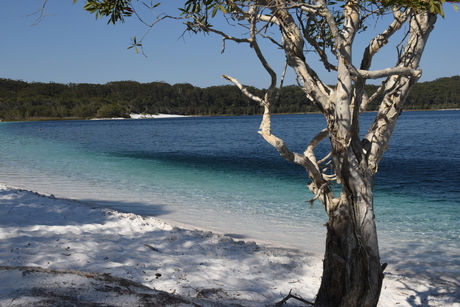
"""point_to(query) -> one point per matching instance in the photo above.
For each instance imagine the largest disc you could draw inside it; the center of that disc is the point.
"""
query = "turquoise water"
(218, 173)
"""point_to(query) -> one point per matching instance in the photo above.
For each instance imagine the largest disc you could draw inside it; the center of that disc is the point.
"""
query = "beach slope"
(64, 250)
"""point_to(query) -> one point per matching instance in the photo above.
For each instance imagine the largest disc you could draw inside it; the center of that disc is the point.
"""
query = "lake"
(217, 173)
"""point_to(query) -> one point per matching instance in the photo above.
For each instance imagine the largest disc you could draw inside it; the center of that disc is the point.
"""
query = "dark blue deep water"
(218, 173)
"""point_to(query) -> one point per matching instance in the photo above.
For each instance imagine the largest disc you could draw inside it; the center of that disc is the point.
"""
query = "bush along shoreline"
(21, 100)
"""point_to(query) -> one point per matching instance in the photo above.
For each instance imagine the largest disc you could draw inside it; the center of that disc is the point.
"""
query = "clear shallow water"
(218, 173)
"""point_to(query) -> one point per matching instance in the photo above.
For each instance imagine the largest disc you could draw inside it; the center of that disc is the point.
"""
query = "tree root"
(284, 300)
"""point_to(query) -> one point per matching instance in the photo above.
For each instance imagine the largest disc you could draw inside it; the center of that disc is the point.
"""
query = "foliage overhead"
(117, 10)
(433, 6)
(197, 14)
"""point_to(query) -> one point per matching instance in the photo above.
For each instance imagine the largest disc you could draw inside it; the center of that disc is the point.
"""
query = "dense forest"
(22, 100)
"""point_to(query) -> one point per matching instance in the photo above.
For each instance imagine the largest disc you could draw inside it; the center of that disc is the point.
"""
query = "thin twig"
(41, 14)
(290, 295)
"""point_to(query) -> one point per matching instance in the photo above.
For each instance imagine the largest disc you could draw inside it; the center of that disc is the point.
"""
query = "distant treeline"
(22, 100)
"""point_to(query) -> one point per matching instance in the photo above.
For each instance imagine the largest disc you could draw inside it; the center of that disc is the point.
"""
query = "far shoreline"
(165, 116)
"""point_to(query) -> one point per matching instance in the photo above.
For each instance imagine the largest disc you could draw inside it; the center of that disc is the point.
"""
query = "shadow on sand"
(434, 270)
(61, 235)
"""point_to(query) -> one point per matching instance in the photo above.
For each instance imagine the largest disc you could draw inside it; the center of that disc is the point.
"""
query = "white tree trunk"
(352, 272)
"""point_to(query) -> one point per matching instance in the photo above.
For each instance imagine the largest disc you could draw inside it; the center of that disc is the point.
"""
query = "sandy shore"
(88, 254)
(145, 116)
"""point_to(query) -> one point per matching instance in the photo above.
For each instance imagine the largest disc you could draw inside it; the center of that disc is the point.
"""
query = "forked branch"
(381, 40)
(41, 13)
(265, 130)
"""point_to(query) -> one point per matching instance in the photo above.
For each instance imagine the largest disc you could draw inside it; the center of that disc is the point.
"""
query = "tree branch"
(284, 300)
(382, 39)
(310, 8)
(41, 14)
(260, 56)
(265, 130)
(320, 50)
(383, 73)
(326, 13)
(397, 89)
(223, 34)
(367, 100)
(309, 151)
(243, 89)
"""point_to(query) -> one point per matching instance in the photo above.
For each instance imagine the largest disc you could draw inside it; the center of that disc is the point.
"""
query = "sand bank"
(85, 254)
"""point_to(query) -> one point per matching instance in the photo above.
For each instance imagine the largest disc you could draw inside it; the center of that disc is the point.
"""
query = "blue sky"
(72, 47)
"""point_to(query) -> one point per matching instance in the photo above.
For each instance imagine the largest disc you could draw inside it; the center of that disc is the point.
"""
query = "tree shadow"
(425, 298)
(22, 203)
(425, 273)
(61, 234)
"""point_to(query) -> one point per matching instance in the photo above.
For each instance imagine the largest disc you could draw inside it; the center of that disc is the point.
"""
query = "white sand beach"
(55, 251)
(145, 116)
